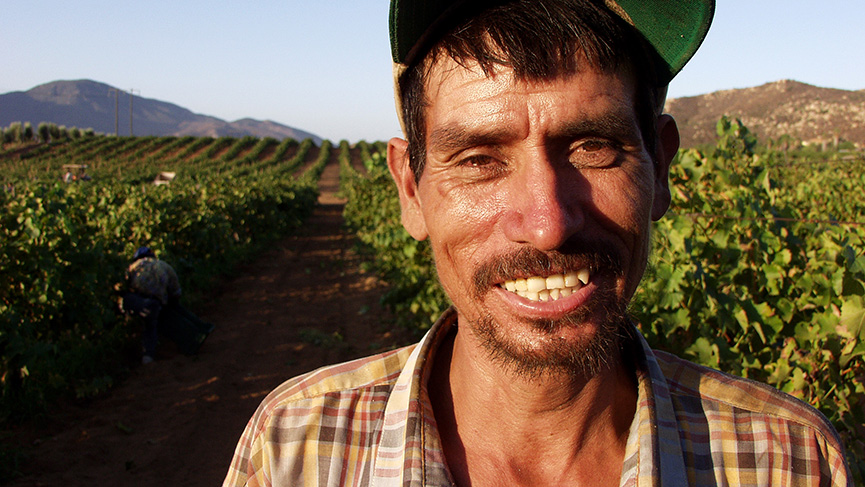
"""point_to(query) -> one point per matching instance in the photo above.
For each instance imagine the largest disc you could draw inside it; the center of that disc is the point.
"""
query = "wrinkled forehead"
(445, 75)
(439, 66)
(463, 98)
(442, 69)
(474, 48)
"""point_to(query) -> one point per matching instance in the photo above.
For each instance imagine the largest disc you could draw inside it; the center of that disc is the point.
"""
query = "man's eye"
(481, 167)
(594, 153)
(594, 145)
(479, 160)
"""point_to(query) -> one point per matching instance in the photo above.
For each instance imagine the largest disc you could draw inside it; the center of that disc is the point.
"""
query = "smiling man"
(536, 157)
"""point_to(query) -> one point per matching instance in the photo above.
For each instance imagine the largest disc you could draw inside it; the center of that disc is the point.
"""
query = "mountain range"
(90, 104)
(783, 108)
(804, 112)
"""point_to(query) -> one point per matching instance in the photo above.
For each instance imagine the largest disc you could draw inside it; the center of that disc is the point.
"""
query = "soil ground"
(303, 304)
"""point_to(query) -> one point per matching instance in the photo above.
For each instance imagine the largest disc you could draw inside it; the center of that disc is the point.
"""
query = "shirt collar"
(654, 434)
(409, 452)
(410, 448)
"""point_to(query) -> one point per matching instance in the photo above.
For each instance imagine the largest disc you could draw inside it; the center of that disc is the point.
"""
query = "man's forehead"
(440, 65)
(447, 77)
(467, 107)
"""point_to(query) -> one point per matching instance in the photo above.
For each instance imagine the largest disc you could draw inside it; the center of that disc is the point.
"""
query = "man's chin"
(580, 344)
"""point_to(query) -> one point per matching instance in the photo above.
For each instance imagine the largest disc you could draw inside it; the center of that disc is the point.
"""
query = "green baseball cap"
(675, 28)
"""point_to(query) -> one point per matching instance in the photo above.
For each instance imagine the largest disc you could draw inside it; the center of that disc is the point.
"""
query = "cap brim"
(674, 29)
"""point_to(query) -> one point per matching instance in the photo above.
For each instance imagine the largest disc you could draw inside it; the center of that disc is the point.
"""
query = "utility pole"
(131, 95)
(116, 110)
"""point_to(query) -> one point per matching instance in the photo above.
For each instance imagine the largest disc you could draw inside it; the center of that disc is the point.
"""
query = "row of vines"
(75, 209)
(758, 269)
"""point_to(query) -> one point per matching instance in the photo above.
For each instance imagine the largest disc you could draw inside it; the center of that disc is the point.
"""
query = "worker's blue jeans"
(147, 308)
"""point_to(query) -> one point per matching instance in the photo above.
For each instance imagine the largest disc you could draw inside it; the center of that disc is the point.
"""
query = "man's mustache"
(529, 261)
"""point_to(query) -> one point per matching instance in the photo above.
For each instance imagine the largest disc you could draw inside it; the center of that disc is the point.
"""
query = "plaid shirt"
(370, 422)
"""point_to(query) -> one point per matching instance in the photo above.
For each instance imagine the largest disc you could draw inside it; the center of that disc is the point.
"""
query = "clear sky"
(324, 66)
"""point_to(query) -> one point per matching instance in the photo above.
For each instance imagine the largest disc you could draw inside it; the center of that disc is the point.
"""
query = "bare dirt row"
(302, 304)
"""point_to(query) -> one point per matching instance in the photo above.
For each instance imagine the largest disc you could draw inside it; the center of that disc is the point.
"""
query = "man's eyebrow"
(455, 136)
(611, 125)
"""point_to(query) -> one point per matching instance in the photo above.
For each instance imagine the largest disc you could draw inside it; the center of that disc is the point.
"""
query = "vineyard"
(758, 268)
(66, 241)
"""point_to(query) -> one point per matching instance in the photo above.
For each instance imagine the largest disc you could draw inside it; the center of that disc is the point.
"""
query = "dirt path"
(176, 421)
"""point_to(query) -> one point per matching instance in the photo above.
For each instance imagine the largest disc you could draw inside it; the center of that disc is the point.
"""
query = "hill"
(90, 104)
(804, 112)
(783, 108)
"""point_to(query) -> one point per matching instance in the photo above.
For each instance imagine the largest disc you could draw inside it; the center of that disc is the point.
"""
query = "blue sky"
(324, 66)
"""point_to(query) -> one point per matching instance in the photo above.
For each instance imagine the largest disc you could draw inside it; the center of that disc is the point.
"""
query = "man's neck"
(501, 428)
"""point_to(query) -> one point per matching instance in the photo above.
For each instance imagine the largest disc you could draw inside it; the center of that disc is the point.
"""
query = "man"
(536, 158)
(151, 284)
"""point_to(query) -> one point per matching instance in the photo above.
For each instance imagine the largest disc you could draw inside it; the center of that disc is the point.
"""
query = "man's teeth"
(550, 288)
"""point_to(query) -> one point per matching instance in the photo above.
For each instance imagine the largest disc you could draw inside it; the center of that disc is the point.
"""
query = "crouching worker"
(153, 294)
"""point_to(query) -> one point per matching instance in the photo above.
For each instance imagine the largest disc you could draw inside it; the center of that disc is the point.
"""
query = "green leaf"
(705, 351)
(856, 352)
(838, 282)
(853, 316)
(796, 383)
(785, 309)
(780, 373)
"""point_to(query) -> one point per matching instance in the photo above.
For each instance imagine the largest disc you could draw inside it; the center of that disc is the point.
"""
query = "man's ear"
(665, 150)
(409, 201)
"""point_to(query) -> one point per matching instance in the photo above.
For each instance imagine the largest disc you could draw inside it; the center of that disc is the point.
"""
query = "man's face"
(537, 198)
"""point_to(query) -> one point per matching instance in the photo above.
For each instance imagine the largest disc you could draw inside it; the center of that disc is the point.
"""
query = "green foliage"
(346, 172)
(42, 129)
(20, 133)
(313, 172)
(373, 213)
(27, 132)
(64, 246)
(754, 271)
(54, 131)
(750, 278)
(733, 139)
(13, 133)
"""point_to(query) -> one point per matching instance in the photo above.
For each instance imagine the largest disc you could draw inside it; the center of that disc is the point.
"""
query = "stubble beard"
(579, 358)
(583, 358)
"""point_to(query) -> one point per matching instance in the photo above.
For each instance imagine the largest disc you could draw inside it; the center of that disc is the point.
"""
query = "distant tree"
(54, 131)
(42, 129)
(27, 133)
(75, 133)
(89, 132)
(14, 132)
(62, 132)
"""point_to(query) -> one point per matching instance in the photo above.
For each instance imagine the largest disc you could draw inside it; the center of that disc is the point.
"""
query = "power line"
(116, 110)
(131, 96)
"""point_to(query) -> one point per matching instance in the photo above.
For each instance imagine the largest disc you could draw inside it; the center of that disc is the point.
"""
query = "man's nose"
(545, 205)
